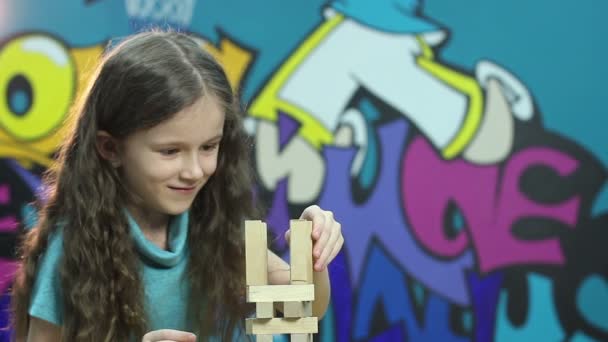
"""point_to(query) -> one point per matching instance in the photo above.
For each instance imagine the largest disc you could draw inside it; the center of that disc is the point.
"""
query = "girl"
(142, 225)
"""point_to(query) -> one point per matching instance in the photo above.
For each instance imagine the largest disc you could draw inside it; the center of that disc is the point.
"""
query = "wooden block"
(292, 309)
(301, 251)
(301, 338)
(297, 298)
(306, 325)
(264, 310)
(256, 253)
(263, 338)
(280, 293)
(297, 309)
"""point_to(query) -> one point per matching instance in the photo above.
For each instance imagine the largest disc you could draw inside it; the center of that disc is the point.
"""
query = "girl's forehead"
(202, 120)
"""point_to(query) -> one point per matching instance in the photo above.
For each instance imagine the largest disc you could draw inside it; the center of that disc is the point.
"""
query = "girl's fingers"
(336, 249)
(327, 234)
(318, 218)
(288, 235)
(319, 245)
(328, 248)
(319, 225)
(169, 335)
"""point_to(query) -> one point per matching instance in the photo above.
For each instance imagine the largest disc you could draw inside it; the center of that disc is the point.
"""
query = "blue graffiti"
(215, 18)
(384, 283)
(592, 300)
(484, 294)
(96, 22)
(5, 334)
(542, 323)
(369, 169)
(381, 218)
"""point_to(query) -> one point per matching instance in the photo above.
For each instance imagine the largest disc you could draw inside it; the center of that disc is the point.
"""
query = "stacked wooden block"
(296, 298)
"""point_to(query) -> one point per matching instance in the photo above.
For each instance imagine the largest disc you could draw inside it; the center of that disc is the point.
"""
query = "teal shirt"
(164, 277)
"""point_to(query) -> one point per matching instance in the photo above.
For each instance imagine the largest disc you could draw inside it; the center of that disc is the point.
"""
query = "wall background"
(357, 108)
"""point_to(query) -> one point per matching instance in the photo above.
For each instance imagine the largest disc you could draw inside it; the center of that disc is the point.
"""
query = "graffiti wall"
(460, 143)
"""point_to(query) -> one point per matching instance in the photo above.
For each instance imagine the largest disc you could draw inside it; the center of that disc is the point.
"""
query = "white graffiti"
(174, 11)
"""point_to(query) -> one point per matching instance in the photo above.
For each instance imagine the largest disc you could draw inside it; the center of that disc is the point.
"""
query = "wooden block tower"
(296, 298)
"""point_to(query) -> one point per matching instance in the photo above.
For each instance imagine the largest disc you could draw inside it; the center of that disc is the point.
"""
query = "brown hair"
(140, 83)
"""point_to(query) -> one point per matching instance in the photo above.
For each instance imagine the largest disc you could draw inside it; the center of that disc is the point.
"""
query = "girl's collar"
(178, 232)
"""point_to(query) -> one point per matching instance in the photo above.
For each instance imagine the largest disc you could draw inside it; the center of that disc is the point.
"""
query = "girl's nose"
(193, 169)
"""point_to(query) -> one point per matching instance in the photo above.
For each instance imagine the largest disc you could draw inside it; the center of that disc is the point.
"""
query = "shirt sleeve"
(47, 298)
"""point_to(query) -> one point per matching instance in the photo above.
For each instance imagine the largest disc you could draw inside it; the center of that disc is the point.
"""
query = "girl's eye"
(168, 152)
(208, 148)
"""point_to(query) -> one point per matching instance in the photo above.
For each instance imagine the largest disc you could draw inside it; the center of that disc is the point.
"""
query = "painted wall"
(460, 143)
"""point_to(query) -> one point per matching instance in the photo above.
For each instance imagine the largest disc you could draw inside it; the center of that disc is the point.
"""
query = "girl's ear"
(108, 148)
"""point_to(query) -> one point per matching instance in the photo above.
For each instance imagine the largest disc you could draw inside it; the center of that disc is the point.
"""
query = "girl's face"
(164, 167)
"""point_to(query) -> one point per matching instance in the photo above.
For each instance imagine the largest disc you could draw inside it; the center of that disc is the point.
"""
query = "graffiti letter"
(490, 207)
(498, 247)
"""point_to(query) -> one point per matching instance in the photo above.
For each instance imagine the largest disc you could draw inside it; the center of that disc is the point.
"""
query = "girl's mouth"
(183, 189)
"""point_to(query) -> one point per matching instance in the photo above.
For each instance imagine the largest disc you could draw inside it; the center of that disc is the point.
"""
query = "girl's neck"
(153, 225)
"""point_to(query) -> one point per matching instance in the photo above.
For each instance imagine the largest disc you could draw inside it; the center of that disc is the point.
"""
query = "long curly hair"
(140, 83)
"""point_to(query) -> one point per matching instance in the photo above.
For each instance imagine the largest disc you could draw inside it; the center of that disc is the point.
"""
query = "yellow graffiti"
(38, 79)
(86, 60)
(268, 103)
(37, 76)
(234, 58)
(463, 83)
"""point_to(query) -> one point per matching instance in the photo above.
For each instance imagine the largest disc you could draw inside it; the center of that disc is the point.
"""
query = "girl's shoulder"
(49, 260)
(54, 247)
(46, 294)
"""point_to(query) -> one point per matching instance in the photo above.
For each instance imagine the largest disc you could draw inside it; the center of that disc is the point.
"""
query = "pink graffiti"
(490, 205)
(7, 223)
(7, 273)
(5, 194)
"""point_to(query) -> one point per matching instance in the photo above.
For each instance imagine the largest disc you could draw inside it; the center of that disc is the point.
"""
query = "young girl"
(141, 235)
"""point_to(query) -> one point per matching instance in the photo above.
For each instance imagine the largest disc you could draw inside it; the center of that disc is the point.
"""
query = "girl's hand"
(168, 335)
(326, 235)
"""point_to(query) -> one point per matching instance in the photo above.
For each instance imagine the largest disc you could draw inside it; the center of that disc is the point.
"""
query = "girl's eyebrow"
(181, 142)
(216, 137)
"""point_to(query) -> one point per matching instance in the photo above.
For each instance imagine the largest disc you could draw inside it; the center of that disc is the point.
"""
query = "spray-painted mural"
(461, 145)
